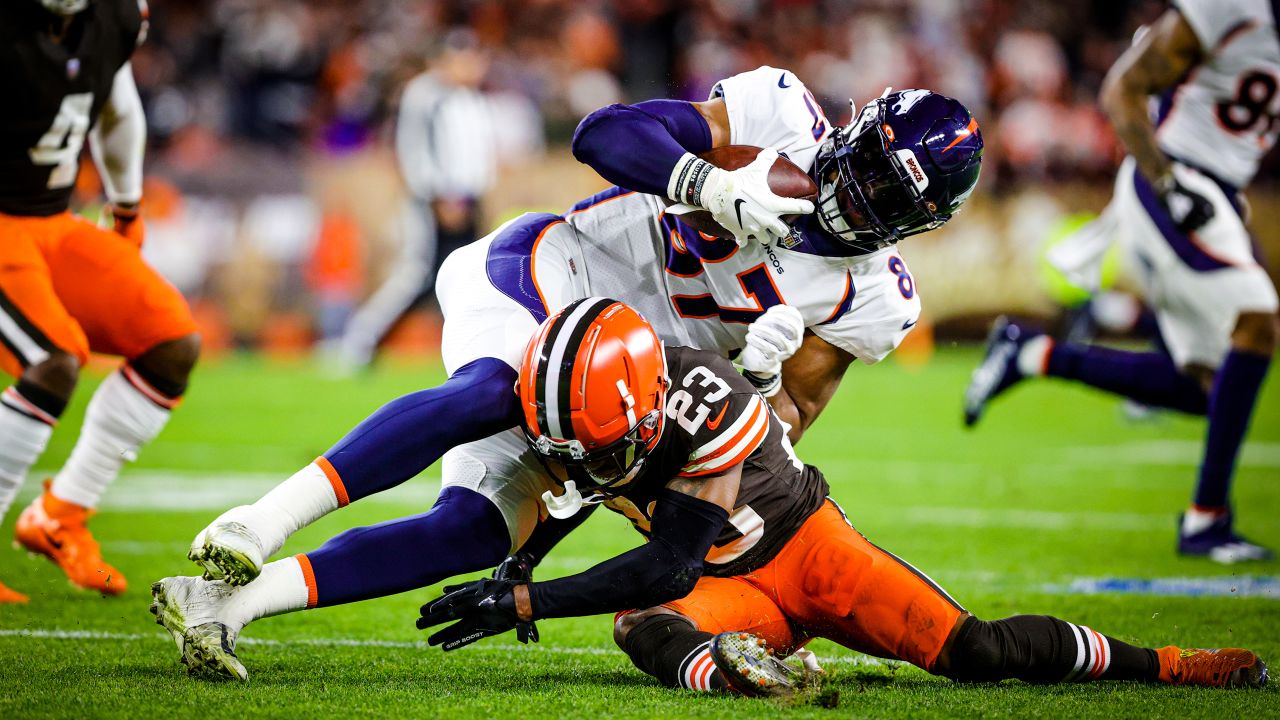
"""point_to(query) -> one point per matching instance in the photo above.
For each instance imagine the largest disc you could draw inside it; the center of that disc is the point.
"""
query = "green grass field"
(1054, 491)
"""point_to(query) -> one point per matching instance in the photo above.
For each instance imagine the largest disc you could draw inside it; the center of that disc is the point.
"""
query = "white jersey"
(1225, 115)
(702, 292)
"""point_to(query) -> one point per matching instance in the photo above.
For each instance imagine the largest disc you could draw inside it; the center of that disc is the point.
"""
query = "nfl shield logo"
(73, 68)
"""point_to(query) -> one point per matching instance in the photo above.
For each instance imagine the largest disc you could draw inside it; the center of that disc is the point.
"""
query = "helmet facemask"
(868, 197)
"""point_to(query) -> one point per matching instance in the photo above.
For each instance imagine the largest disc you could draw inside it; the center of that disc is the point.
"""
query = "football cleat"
(188, 608)
(228, 550)
(749, 665)
(1220, 543)
(999, 368)
(9, 596)
(1224, 668)
(56, 529)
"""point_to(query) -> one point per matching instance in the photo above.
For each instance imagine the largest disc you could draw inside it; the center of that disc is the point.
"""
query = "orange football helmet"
(592, 385)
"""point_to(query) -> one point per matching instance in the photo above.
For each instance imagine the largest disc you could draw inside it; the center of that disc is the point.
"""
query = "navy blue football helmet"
(903, 166)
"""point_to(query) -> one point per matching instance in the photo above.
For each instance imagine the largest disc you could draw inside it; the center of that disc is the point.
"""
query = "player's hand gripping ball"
(752, 194)
(483, 608)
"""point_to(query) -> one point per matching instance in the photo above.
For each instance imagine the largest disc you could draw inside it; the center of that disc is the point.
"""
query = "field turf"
(1055, 493)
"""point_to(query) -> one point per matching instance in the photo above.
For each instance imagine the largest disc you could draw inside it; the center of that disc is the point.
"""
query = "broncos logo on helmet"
(903, 166)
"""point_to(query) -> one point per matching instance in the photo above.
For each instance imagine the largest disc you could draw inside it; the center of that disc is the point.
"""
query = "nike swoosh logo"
(737, 209)
(713, 424)
(909, 324)
(782, 81)
(57, 544)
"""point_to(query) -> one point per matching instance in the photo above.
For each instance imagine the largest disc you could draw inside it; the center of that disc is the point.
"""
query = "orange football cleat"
(56, 529)
(9, 596)
(1226, 667)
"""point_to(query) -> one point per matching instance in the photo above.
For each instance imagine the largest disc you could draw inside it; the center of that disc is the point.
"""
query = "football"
(785, 179)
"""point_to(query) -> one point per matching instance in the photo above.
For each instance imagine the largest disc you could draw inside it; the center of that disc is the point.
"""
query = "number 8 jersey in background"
(53, 94)
(1225, 115)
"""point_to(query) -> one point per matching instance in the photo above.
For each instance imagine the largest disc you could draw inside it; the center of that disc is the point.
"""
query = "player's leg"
(492, 305)
(676, 643)
(41, 346)
(1015, 353)
(487, 508)
(126, 309)
(834, 583)
(1043, 649)
(1206, 527)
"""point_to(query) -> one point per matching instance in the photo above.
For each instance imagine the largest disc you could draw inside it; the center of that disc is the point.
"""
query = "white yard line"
(56, 634)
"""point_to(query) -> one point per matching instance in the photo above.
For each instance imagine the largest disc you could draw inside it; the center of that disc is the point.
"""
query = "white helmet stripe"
(559, 425)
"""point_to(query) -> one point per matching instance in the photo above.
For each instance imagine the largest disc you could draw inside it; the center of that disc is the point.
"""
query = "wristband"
(688, 178)
(766, 386)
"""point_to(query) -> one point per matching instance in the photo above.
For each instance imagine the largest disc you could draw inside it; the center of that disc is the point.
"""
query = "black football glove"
(518, 569)
(483, 608)
(1189, 209)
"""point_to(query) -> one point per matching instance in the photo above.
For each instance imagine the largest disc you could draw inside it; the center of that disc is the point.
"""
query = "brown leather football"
(786, 179)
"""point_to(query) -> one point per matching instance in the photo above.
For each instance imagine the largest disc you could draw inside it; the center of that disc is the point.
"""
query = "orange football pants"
(66, 284)
(830, 582)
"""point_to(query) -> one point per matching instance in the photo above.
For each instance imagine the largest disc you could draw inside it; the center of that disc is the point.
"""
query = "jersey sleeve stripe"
(731, 433)
(731, 455)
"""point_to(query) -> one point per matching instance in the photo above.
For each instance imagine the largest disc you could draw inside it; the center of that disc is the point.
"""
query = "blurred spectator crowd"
(324, 74)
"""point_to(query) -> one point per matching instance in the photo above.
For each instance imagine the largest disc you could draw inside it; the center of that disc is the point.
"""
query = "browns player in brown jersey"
(67, 287)
(746, 555)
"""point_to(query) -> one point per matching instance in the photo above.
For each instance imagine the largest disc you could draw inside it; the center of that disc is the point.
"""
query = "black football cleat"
(999, 368)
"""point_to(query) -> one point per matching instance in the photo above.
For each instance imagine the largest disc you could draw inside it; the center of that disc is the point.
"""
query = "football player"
(1180, 212)
(835, 289)
(68, 287)
(741, 536)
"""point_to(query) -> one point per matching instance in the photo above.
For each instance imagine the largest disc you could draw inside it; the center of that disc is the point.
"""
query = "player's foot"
(228, 550)
(999, 368)
(9, 596)
(750, 667)
(188, 608)
(1226, 668)
(56, 529)
(1220, 543)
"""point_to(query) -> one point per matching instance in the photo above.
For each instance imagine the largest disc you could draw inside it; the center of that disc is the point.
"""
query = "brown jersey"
(54, 92)
(714, 420)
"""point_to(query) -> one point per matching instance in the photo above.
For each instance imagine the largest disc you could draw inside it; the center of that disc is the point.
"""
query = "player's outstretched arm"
(809, 380)
(1158, 59)
(687, 518)
(652, 147)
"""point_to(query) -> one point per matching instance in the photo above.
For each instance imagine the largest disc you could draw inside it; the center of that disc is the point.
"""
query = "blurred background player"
(1215, 65)
(446, 148)
(67, 287)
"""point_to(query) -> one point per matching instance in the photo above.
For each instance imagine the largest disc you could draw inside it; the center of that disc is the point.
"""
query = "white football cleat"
(749, 665)
(228, 549)
(188, 608)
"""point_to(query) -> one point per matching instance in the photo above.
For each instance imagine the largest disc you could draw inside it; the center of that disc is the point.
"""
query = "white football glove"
(740, 200)
(771, 340)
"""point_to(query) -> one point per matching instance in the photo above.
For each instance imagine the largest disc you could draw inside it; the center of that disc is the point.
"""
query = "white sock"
(1194, 521)
(1033, 355)
(24, 433)
(124, 414)
(281, 588)
(305, 497)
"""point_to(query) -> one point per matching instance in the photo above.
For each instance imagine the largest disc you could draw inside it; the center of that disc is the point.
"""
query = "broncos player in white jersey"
(1179, 212)
(816, 295)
